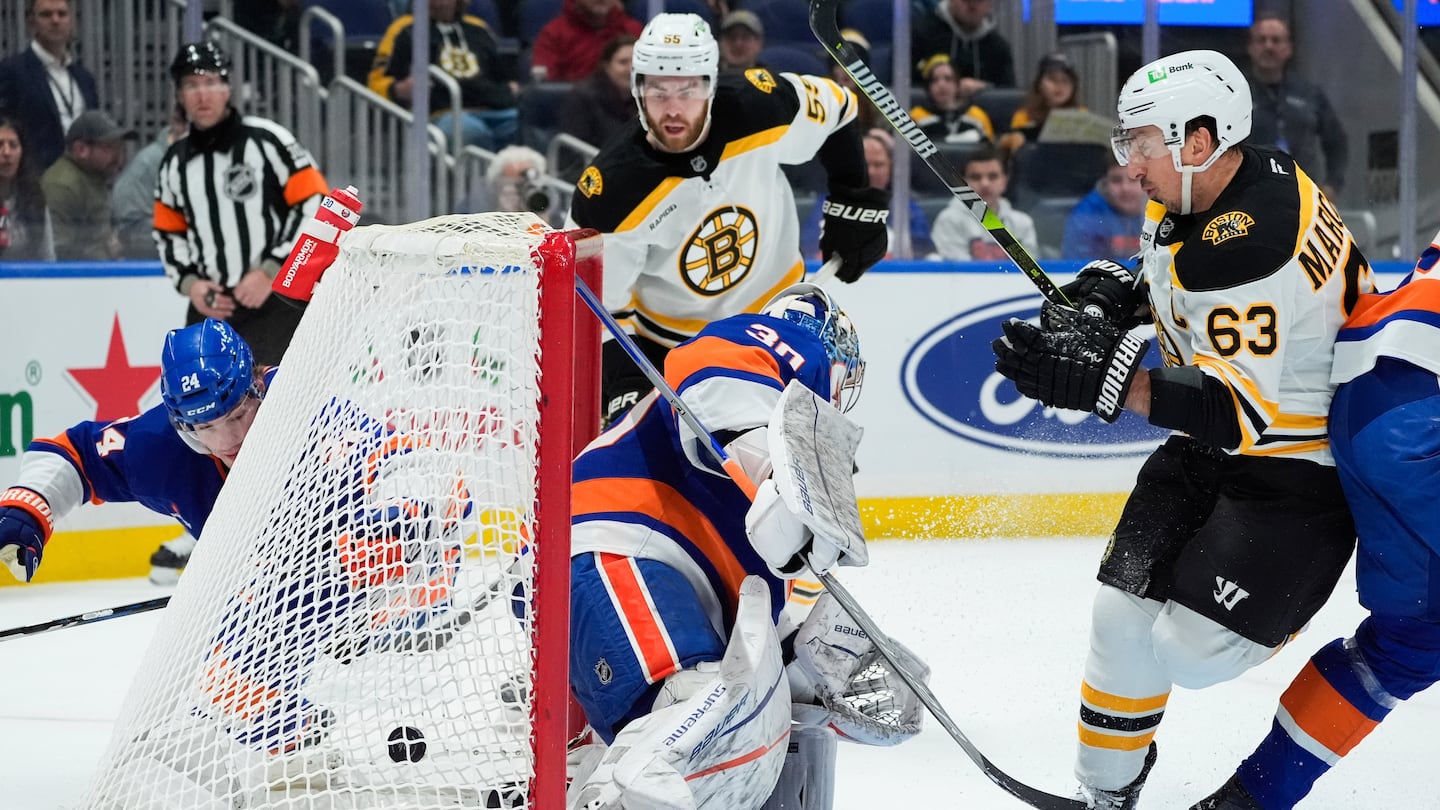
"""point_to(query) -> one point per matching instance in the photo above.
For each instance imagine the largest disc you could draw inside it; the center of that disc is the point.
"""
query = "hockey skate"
(170, 560)
(1123, 798)
(1231, 796)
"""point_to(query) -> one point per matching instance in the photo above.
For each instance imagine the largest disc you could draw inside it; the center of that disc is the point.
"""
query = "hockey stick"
(89, 617)
(883, 644)
(826, 29)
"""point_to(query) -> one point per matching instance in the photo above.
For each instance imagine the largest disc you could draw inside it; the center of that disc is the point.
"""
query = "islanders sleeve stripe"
(303, 185)
(169, 220)
(1319, 718)
(663, 503)
(653, 199)
(1419, 300)
(649, 640)
(706, 354)
(740, 146)
(62, 447)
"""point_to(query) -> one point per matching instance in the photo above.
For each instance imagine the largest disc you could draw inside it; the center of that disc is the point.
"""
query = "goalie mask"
(206, 371)
(810, 307)
(675, 45)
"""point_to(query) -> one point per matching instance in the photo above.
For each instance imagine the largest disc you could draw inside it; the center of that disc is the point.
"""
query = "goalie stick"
(824, 25)
(1031, 796)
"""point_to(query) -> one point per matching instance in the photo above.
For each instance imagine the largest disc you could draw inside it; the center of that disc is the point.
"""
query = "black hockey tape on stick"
(826, 28)
(1027, 794)
(89, 617)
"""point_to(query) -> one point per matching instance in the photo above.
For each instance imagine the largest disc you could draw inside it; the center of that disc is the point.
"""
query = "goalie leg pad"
(633, 623)
(723, 746)
(807, 782)
(839, 680)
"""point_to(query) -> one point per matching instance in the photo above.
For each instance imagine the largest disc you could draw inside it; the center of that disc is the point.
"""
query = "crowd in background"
(73, 186)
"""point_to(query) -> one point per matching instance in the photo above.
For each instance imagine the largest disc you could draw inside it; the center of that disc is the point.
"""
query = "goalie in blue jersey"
(679, 581)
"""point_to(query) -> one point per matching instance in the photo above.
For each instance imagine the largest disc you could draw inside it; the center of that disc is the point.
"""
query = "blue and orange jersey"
(1403, 323)
(138, 459)
(645, 489)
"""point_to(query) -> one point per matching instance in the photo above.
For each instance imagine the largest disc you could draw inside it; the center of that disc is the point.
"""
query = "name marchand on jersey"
(694, 237)
(1253, 291)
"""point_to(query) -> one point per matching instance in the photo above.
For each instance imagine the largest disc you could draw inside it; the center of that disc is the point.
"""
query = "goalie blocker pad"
(721, 746)
(812, 448)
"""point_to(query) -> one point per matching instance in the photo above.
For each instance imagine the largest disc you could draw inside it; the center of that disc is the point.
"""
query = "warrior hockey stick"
(1029, 795)
(826, 29)
(86, 618)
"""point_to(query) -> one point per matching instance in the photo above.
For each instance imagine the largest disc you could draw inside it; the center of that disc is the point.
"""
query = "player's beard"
(696, 128)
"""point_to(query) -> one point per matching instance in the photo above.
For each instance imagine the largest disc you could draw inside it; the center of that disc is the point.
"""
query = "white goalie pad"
(721, 747)
(838, 679)
(812, 448)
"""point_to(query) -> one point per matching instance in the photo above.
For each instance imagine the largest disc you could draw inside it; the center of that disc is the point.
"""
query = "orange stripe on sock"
(1324, 713)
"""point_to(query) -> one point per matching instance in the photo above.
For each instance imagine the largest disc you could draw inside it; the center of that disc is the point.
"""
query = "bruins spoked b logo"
(718, 255)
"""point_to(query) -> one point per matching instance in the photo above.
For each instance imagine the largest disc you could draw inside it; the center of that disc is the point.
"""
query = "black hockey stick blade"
(1031, 796)
(824, 25)
(89, 617)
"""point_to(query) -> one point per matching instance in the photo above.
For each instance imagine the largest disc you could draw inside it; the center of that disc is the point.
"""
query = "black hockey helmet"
(200, 57)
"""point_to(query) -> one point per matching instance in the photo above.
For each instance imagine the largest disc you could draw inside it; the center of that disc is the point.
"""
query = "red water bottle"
(317, 246)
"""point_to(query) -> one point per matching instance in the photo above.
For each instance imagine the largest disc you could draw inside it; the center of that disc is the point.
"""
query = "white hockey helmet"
(1175, 90)
(674, 45)
(810, 307)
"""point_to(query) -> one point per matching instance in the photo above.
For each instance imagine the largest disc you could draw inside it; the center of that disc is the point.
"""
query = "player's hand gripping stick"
(317, 246)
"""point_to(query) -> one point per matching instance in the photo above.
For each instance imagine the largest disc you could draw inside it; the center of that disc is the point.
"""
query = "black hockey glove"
(854, 229)
(1108, 289)
(1081, 362)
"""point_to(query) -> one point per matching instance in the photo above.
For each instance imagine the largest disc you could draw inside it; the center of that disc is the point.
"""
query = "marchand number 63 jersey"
(698, 236)
(1253, 291)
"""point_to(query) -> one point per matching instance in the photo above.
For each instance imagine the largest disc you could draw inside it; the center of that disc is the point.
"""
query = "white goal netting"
(356, 627)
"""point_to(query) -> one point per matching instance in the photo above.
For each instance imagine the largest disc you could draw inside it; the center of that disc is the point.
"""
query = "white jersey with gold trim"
(1252, 292)
(694, 237)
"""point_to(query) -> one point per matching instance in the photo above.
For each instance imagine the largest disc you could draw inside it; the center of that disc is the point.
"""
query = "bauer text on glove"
(854, 229)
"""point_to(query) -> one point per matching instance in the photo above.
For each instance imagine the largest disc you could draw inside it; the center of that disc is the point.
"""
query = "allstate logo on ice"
(949, 377)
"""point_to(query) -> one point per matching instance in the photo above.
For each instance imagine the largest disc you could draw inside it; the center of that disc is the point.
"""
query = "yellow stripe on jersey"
(1291, 449)
(642, 211)
(1307, 190)
(1116, 704)
(764, 137)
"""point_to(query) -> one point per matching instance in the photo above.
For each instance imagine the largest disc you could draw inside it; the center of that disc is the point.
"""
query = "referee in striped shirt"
(229, 203)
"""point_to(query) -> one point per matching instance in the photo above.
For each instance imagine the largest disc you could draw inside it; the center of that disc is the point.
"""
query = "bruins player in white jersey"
(699, 220)
(1237, 528)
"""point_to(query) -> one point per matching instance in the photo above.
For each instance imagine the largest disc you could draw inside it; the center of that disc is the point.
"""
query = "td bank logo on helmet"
(949, 377)
(1158, 74)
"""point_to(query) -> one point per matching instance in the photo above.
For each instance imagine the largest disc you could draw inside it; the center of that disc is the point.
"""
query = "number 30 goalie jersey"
(1252, 292)
(697, 236)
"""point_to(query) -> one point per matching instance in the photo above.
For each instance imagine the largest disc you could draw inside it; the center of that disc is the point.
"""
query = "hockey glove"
(1078, 361)
(1108, 290)
(854, 229)
(25, 526)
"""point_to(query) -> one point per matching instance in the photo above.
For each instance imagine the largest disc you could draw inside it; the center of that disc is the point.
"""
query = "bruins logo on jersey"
(1228, 225)
(761, 78)
(590, 182)
(718, 255)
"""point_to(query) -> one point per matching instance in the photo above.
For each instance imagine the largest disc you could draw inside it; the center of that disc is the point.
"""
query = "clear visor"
(663, 91)
(1128, 145)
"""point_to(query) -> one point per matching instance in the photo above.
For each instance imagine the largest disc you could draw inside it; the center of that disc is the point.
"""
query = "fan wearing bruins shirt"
(699, 220)
(1237, 528)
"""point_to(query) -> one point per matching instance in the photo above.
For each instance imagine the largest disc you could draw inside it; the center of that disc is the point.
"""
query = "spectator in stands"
(569, 46)
(132, 200)
(44, 88)
(742, 37)
(515, 181)
(947, 115)
(463, 46)
(958, 235)
(879, 159)
(1291, 114)
(275, 21)
(868, 116)
(77, 189)
(1056, 86)
(24, 222)
(601, 105)
(1106, 223)
(229, 202)
(964, 31)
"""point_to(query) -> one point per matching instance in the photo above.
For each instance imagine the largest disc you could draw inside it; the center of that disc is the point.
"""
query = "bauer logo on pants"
(949, 376)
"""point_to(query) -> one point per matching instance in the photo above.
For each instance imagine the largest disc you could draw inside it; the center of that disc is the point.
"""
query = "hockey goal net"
(376, 613)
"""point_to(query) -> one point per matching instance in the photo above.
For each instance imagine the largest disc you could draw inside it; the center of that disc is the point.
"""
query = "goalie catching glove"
(1078, 361)
(25, 525)
(854, 229)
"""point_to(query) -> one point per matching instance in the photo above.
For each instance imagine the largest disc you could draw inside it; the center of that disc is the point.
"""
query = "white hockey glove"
(781, 539)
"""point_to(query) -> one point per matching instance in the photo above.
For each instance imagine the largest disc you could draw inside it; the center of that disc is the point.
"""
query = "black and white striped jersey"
(232, 197)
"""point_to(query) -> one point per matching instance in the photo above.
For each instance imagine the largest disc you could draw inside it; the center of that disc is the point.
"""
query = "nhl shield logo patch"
(1228, 225)
(240, 183)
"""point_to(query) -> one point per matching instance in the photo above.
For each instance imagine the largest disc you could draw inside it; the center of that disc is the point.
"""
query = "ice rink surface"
(1003, 623)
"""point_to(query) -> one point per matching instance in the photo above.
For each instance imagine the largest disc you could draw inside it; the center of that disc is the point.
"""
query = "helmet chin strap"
(1187, 177)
